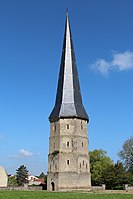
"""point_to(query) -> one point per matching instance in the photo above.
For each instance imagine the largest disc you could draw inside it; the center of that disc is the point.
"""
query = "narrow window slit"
(67, 126)
(68, 162)
(67, 143)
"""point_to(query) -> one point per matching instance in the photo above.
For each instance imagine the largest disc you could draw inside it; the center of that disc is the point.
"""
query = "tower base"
(69, 181)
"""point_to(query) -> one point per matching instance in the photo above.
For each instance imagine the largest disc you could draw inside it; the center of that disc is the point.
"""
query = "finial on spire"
(67, 11)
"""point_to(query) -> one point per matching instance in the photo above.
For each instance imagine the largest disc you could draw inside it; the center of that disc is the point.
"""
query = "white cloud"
(24, 152)
(123, 61)
(120, 62)
(101, 66)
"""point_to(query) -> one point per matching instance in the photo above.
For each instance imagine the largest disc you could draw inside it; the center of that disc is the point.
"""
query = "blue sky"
(31, 38)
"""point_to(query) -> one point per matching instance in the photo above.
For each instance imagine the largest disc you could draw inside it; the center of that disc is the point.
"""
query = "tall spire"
(68, 98)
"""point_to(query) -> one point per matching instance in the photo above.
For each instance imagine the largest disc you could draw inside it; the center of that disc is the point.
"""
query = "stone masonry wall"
(68, 162)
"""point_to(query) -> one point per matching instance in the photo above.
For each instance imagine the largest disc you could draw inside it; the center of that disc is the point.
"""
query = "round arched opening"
(53, 186)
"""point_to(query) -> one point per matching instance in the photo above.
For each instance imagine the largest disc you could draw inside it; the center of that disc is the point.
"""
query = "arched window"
(67, 143)
(83, 162)
(53, 186)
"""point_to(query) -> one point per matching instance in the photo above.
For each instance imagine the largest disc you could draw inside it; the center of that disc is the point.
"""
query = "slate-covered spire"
(68, 98)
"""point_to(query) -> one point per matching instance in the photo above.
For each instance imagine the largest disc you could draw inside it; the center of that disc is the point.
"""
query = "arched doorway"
(53, 186)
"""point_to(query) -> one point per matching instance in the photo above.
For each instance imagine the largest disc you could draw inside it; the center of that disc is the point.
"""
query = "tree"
(42, 175)
(115, 176)
(12, 181)
(22, 175)
(120, 175)
(126, 154)
(108, 176)
(99, 161)
(103, 171)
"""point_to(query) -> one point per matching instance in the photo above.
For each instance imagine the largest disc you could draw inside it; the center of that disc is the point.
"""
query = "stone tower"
(68, 160)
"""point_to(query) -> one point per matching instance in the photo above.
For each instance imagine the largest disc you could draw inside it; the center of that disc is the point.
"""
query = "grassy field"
(57, 195)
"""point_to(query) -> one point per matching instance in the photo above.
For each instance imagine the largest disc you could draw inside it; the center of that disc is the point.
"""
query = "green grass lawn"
(59, 195)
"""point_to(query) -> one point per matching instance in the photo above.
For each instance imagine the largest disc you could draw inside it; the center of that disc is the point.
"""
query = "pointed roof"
(68, 98)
